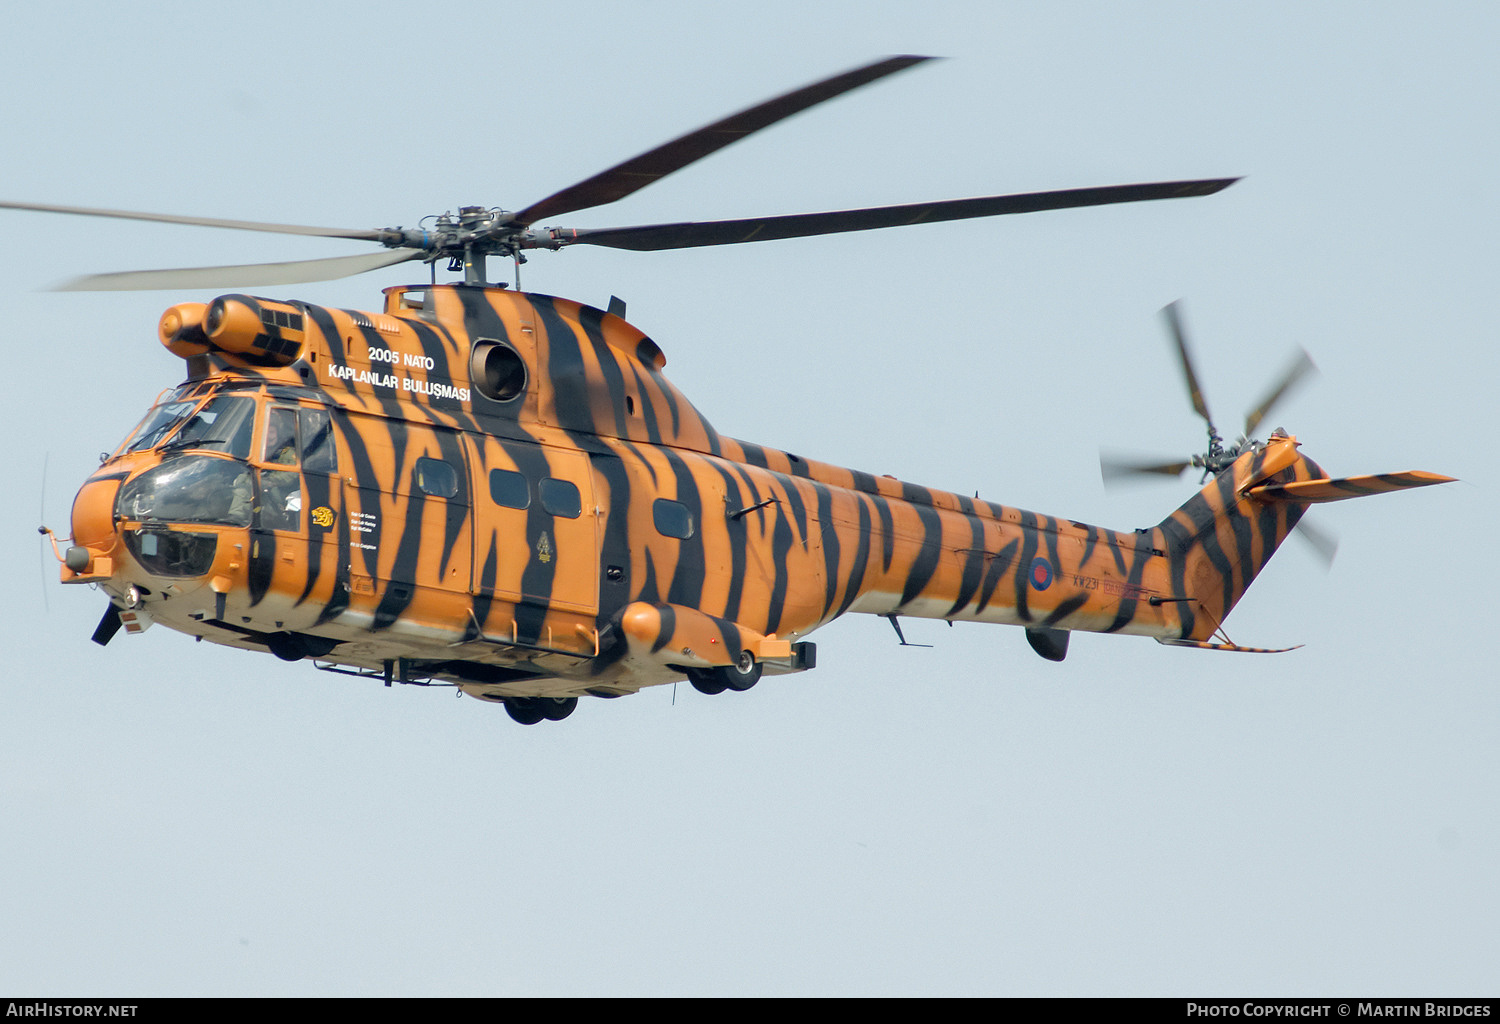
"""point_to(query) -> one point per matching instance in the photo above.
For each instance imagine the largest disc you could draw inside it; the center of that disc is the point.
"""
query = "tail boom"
(815, 541)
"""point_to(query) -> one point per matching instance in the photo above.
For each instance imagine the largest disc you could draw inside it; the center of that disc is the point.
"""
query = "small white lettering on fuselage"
(430, 388)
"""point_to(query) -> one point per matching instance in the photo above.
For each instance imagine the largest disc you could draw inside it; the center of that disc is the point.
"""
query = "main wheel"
(743, 674)
(706, 680)
(555, 709)
(526, 710)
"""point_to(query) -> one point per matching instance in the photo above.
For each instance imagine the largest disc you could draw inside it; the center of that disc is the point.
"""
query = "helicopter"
(500, 491)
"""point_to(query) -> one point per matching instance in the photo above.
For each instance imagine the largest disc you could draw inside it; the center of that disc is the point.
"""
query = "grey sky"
(182, 819)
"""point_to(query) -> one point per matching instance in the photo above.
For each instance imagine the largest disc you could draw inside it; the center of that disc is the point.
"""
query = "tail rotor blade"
(1171, 312)
(1300, 368)
(1324, 544)
(1117, 470)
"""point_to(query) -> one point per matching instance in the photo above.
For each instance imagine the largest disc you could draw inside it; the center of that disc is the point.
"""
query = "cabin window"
(672, 518)
(560, 497)
(436, 478)
(281, 437)
(508, 488)
(318, 453)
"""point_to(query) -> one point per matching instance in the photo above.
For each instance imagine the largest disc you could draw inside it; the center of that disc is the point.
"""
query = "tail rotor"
(1219, 456)
(1116, 469)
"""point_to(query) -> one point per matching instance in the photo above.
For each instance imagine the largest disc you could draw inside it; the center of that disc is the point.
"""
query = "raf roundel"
(1041, 573)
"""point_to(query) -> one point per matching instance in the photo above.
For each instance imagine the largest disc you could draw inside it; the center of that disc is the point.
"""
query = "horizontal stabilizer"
(1208, 646)
(1347, 487)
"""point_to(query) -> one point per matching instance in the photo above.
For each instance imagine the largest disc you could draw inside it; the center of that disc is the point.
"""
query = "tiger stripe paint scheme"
(593, 533)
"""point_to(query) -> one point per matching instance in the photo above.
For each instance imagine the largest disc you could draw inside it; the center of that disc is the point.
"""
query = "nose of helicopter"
(95, 539)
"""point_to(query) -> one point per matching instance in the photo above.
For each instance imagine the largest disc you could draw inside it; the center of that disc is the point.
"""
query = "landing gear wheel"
(555, 709)
(706, 680)
(740, 676)
(531, 710)
(525, 710)
(743, 674)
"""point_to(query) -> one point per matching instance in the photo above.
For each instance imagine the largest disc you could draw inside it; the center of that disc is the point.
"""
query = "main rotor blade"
(1174, 324)
(359, 234)
(1300, 368)
(760, 229)
(243, 276)
(638, 172)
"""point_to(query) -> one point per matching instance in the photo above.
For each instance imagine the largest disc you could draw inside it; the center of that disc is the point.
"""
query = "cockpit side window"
(280, 505)
(318, 453)
(281, 437)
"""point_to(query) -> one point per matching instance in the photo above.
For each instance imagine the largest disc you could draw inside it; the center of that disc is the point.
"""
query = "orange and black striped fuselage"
(502, 491)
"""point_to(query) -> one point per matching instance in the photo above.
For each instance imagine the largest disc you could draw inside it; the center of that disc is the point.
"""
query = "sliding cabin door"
(409, 494)
(536, 544)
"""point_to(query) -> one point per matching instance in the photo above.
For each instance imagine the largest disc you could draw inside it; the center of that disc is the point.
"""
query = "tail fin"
(1225, 534)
